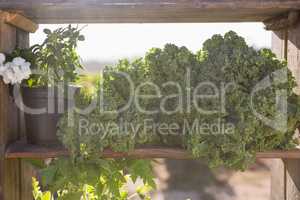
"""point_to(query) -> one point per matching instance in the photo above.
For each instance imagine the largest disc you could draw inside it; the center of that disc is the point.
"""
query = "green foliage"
(88, 83)
(229, 59)
(222, 61)
(94, 179)
(84, 175)
(226, 62)
(37, 193)
(56, 59)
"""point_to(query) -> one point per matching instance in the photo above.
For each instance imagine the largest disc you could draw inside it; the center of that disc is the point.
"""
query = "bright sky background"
(111, 42)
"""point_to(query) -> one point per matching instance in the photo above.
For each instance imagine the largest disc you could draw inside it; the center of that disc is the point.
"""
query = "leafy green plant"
(84, 175)
(94, 179)
(222, 60)
(56, 59)
(229, 59)
(37, 193)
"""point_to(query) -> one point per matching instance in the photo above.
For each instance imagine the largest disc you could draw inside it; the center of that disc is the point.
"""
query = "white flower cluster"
(15, 71)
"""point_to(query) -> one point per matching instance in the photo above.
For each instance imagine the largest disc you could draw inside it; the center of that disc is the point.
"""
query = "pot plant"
(231, 135)
(223, 60)
(84, 174)
(48, 91)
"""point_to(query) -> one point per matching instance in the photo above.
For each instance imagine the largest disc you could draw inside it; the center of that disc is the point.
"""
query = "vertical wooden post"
(292, 179)
(278, 173)
(15, 175)
(9, 169)
(27, 170)
(285, 183)
(293, 166)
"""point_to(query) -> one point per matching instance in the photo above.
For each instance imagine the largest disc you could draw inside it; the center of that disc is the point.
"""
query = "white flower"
(9, 75)
(15, 71)
(6, 80)
(26, 67)
(2, 58)
(2, 69)
(19, 79)
(18, 73)
(19, 61)
(15, 68)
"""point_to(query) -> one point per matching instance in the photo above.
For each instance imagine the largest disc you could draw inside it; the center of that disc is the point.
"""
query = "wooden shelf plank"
(139, 11)
(23, 150)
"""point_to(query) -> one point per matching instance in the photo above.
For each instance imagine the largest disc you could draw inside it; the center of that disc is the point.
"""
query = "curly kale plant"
(230, 76)
(223, 104)
(255, 79)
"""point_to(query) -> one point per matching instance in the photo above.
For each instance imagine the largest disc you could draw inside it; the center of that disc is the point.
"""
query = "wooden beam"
(139, 11)
(283, 22)
(19, 21)
(9, 169)
(23, 150)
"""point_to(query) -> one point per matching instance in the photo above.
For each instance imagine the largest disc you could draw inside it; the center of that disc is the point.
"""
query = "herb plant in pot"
(48, 92)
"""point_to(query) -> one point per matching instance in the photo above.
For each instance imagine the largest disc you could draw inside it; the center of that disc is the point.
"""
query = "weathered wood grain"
(278, 183)
(9, 169)
(23, 150)
(293, 166)
(27, 171)
(292, 179)
(138, 11)
(285, 184)
(282, 22)
(293, 57)
(278, 172)
(21, 22)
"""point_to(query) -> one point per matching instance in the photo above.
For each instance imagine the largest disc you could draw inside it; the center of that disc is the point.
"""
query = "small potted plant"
(45, 92)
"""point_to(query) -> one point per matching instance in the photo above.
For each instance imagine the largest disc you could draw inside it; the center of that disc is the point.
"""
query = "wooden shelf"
(23, 150)
(150, 11)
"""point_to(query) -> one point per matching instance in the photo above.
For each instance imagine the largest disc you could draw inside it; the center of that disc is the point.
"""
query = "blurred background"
(105, 44)
(181, 180)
